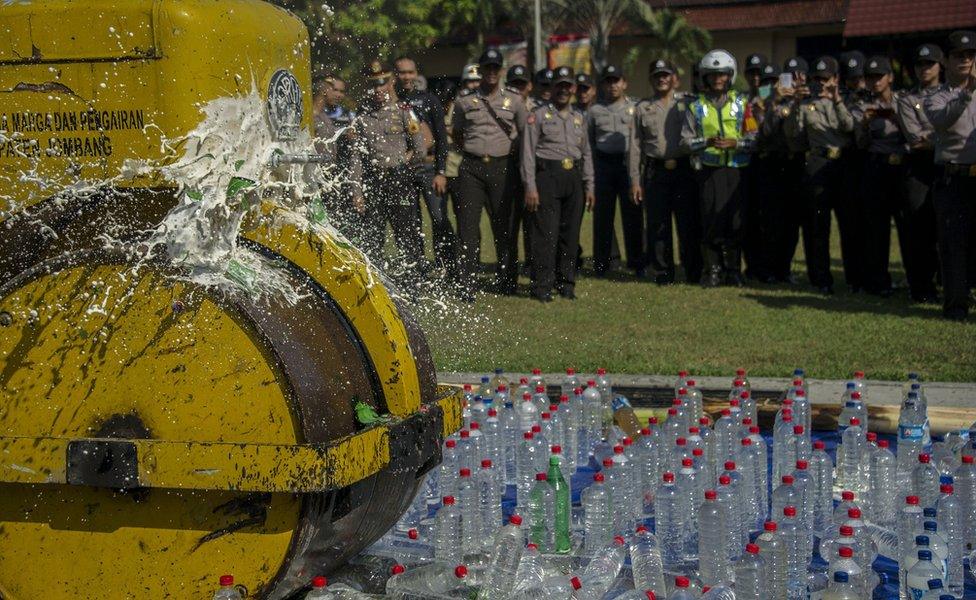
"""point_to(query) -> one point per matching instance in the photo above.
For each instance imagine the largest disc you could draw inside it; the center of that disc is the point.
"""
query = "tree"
(598, 18)
(671, 37)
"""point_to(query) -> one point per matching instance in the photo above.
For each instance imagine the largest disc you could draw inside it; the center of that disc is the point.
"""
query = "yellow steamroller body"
(154, 432)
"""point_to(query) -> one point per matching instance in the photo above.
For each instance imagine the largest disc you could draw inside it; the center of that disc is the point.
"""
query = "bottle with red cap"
(540, 512)
(850, 463)
(845, 560)
(949, 512)
(647, 567)
(751, 575)
(726, 501)
(447, 530)
(912, 421)
(681, 380)
(648, 454)
(784, 495)
(541, 399)
(910, 519)
(925, 481)
(802, 413)
(713, 559)
(833, 539)
(602, 570)
(570, 382)
(682, 590)
(690, 490)
(740, 516)
(625, 487)
(469, 501)
(592, 416)
(669, 522)
(671, 430)
(532, 569)
(440, 579)
(555, 586)
(822, 473)
(883, 485)
(749, 464)
(726, 437)
(784, 445)
(697, 402)
(774, 551)
(490, 496)
(524, 386)
(528, 413)
(964, 484)
(448, 469)
(227, 590)
(604, 385)
(797, 558)
(509, 543)
(598, 513)
(495, 442)
(526, 465)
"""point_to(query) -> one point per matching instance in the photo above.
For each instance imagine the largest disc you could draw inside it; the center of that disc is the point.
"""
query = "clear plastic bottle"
(570, 382)
(737, 526)
(937, 543)
(602, 570)
(613, 481)
(864, 545)
(568, 436)
(592, 415)
(680, 381)
(911, 437)
(557, 587)
(439, 579)
(536, 379)
(669, 524)
(629, 479)
(501, 395)
(726, 500)
(448, 469)
(761, 453)
(478, 408)
(523, 387)
(802, 443)
(526, 465)
(907, 561)
(542, 447)
(951, 526)
(505, 557)
(541, 399)
(491, 499)
(604, 385)
(577, 427)
(647, 566)
(318, 591)
(803, 482)
(713, 560)
(784, 495)
(540, 512)
(477, 447)
(528, 413)
(725, 437)
(671, 430)
(499, 379)
(822, 471)
(548, 427)
(841, 588)
(796, 557)
(648, 453)
(909, 521)
(921, 573)
(850, 461)
(689, 490)
(831, 541)
(447, 531)
(883, 485)
(697, 402)
(937, 591)
(964, 485)
(752, 464)
(751, 575)
(508, 419)
(774, 550)
(227, 590)
(494, 444)
(925, 481)
(784, 446)
(532, 569)
(846, 561)
(682, 590)
(748, 405)
(469, 499)
(597, 516)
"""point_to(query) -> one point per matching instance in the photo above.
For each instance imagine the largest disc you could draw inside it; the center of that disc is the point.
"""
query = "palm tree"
(598, 18)
(670, 36)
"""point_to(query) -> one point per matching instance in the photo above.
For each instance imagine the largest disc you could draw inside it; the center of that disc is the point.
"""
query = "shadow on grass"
(844, 303)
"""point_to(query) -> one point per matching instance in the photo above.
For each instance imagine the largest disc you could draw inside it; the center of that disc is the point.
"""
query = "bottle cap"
(800, 393)
(650, 595)
(946, 488)
(450, 443)
(492, 412)
(601, 371)
(710, 494)
(853, 513)
(645, 431)
(578, 391)
(413, 534)
(317, 582)
(922, 540)
(819, 445)
(652, 420)
(924, 555)
(540, 389)
(872, 436)
(672, 412)
(618, 449)
(747, 421)
(858, 374)
(841, 577)
(846, 531)
(682, 391)
(855, 421)
(526, 397)
(540, 477)
(787, 403)
(598, 477)
(770, 526)
(745, 395)
(460, 571)
(752, 549)
(564, 398)
(475, 426)
(734, 402)
(531, 546)
(527, 435)
(798, 430)
(753, 429)
(465, 472)
(703, 421)
(226, 580)
(681, 582)
(668, 477)
(855, 395)
(691, 383)
(537, 371)
(845, 552)
(557, 449)
(536, 428)
(465, 434)
(740, 372)
(486, 463)
(913, 500)
(924, 458)
(545, 416)
(694, 430)
(628, 441)
(686, 462)
(570, 371)
(641, 529)
(676, 402)
(697, 452)
(746, 442)
(729, 465)
(929, 512)
(724, 480)
(682, 373)
(787, 479)
(515, 520)
(467, 387)
(607, 463)
(448, 500)
(802, 464)
(847, 496)
(934, 584)
(883, 444)
(397, 569)
(726, 412)
(930, 526)
(681, 441)
(789, 511)
(576, 583)
(591, 383)
(553, 408)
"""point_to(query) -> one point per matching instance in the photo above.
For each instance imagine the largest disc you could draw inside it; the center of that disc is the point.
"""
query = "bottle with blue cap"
(841, 588)
(936, 590)
(911, 436)
(918, 577)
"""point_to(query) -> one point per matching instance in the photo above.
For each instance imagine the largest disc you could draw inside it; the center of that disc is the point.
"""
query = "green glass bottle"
(563, 505)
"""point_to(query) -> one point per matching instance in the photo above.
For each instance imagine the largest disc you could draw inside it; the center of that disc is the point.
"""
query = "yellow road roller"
(157, 431)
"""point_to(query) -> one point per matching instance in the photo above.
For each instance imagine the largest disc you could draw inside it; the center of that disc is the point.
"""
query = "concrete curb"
(822, 391)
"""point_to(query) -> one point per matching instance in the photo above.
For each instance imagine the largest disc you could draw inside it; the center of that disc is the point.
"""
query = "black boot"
(712, 263)
(732, 265)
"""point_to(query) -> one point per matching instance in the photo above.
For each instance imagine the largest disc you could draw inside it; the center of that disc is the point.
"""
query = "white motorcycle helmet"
(717, 61)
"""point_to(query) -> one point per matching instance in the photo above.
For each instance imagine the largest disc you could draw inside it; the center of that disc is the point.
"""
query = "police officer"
(850, 212)
(487, 124)
(431, 178)
(557, 169)
(878, 132)
(716, 131)
(608, 124)
(387, 149)
(919, 244)
(752, 247)
(330, 116)
(821, 122)
(542, 86)
(661, 178)
(470, 77)
(585, 92)
(854, 88)
(517, 82)
(952, 111)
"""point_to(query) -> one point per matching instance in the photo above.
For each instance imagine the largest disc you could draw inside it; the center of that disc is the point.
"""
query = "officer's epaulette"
(465, 92)
(511, 90)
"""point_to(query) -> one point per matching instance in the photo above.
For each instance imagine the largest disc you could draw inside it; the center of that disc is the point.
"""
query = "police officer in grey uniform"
(608, 123)
(517, 81)
(820, 122)
(952, 111)
(387, 149)
(488, 123)
(542, 86)
(557, 169)
(661, 178)
(919, 252)
(878, 133)
(850, 211)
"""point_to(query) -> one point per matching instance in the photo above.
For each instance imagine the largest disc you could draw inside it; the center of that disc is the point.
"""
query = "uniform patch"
(413, 126)
(507, 103)
(548, 115)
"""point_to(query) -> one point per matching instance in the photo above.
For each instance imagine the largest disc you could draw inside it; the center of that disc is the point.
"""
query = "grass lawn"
(637, 327)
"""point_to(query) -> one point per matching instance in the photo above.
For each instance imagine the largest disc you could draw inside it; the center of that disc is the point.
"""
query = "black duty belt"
(668, 164)
(563, 164)
(486, 158)
(957, 169)
(828, 152)
(894, 159)
(609, 155)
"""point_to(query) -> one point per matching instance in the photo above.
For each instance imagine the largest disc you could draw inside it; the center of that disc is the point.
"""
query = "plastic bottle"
(845, 560)
(648, 463)
(448, 469)
(227, 590)
(964, 487)
(796, 557)
(536, 378)
(540, 399)
(761, 453)
(695, 395)
(801, 443)
(557, 587)
(479, 408)
(803, 482)
(714, 566)
(604, 385)
(508, 420)
(689, 490)
(951, 526)
(748, 405)
(540, 513)
(925, 481)
(682, 590)
(525, 466)
(938, 543)
(592, 415)
(669, 522)
(495, 443)
(727, 501)
(883, 485)
(801, 410)
(568, 435)
(491, 499)
(575, 427)
(597, 516)
(841, 588)
(751, 575)
(477, 447)
(523, 387)
(850, 461)
(602, 570)
(864, 545)
(671, 431)
(570, 382)
(647, 567)
(469, 499)
(774, 550)
(909, 521)
(614, 484)
(501, 395)
(439, 579)
(907, 561)
(542, 448)
(505, 557)
(548, 427)
(737, 526)
(831, 541)
(532, 569)
(562, 503)
(784, 447)
(911, 437)
(785, 495)
(923, 571)
(447, 531)
(725, 436)
(528, 413)
(822, 472)
(746, 464)
(629, 479)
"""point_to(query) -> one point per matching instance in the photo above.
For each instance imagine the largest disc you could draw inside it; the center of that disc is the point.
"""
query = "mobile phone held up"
(786, 80)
